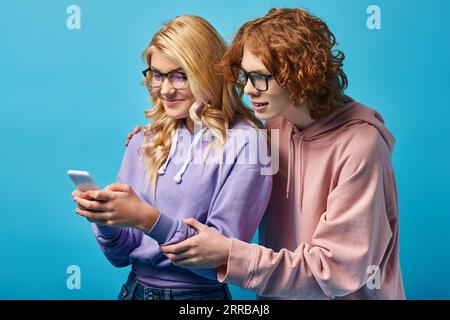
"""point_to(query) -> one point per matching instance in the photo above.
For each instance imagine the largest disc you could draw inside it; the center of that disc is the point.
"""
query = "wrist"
(226, 251)
(148, 217)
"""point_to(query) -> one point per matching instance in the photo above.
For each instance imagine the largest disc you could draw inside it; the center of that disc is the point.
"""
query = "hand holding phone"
(83, 180)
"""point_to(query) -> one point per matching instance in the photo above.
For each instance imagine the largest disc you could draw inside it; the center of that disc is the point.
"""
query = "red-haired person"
(331, 230)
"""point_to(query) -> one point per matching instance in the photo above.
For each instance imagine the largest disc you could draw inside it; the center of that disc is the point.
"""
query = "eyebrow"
(257, 71)
(174, 70)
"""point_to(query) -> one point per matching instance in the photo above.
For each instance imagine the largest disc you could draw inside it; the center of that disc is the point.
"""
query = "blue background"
(68, 98)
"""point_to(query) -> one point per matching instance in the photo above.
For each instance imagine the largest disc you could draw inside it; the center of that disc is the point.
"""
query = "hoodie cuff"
(163, 229)
(106, 232)
(240, 264)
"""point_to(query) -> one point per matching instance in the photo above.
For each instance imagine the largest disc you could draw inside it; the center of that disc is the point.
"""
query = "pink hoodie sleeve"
(353, 234)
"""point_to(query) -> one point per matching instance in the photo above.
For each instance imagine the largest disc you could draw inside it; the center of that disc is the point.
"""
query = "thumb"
(121, 187)
(195, 224)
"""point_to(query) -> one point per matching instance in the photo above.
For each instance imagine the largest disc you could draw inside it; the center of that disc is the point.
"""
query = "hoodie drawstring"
(288, 184)
(300, 182)
(173, 148)
(179, 176)
(298, 158)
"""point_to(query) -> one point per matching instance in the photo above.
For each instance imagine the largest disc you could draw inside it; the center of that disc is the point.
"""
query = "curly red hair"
(297, 49)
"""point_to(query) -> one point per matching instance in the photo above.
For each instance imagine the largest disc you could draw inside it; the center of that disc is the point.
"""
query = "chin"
(176, 114)
(265, 115)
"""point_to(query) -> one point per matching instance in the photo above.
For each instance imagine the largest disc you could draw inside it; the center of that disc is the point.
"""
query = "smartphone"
(82, 179)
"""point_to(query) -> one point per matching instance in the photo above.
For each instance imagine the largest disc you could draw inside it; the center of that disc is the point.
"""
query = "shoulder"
(245, 132)
(363, 141)
(138, 141)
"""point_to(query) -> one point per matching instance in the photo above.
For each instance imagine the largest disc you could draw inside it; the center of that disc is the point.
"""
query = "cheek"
(279, 97)
(188, 99)
(187, 94)
(283, 100)
(187, 105)
(154, 93)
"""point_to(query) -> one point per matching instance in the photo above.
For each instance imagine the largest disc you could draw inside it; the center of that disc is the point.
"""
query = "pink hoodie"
(332, 221)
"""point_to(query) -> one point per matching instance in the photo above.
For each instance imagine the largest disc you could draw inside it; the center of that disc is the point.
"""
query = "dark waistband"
(133, 283)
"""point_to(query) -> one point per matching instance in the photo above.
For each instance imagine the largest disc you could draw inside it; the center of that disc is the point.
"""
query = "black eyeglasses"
(155, 78)
(259, 81)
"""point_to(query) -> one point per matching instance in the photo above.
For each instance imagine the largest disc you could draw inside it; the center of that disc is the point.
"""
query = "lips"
(171, 102)
(259, 106)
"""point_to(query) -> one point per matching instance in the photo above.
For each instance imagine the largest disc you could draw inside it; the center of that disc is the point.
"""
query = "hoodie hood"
(350, 114)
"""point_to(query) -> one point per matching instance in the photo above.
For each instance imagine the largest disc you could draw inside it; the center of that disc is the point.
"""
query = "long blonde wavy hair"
(192, 43)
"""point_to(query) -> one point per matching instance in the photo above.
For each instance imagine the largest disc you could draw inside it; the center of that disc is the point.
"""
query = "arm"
(236, 210)
(118, 242)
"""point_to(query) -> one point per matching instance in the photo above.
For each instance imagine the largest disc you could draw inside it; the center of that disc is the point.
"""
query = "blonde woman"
(191, 161)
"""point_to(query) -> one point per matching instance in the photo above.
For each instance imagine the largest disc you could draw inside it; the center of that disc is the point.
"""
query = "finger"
(186, 263)
(77, 193)
(137, 129)
(175, 249)
(107, 188)
(81, 194)
(90, 205)
(178, 257)
(120, 187)
(93, 215)
(178, 247)
(100, 195)
(195, 224)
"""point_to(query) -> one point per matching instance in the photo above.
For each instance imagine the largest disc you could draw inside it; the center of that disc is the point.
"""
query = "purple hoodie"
(231, 197)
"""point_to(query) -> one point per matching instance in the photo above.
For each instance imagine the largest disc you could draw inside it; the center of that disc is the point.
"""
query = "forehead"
(251, 62)
(162, 62)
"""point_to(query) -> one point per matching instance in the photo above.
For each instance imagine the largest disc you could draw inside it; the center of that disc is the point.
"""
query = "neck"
(299, 116)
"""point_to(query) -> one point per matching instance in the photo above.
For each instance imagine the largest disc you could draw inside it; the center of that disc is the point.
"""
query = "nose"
(250, 89)
(166, 88)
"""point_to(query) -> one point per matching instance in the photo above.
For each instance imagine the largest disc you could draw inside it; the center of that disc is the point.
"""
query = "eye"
(257, 76)
(155, 75)
(178, 76)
